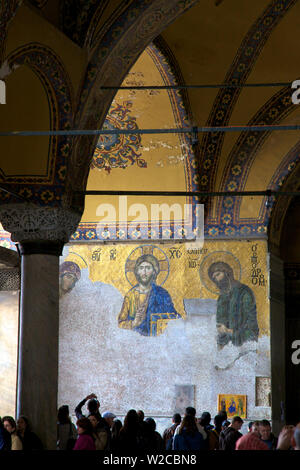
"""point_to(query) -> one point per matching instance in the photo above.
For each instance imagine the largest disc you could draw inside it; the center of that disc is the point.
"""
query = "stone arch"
(112, 58)
(281, 205)
(238, 73)
(127, 153)
(8, 10)
(79, 18)
(245, 151)
(47, 66)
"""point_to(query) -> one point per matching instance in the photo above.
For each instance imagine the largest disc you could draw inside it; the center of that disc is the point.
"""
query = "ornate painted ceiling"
(65, 54)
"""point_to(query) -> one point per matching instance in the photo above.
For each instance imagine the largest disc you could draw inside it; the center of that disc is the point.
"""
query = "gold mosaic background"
(187, 277)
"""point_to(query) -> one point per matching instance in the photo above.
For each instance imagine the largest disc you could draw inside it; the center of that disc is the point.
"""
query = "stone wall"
(179, 363)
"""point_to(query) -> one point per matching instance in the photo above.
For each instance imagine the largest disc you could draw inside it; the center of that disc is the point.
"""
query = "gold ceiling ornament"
(214, 257)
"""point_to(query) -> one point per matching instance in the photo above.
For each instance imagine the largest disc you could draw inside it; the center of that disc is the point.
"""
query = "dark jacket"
(228, 438)
(154, 442)
(31, 441)
(168, 436)
(131, 441)
(185, 441)
(5, 439)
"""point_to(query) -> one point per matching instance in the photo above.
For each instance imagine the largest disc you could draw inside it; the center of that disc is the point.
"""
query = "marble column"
(41, 234)
(37, 380)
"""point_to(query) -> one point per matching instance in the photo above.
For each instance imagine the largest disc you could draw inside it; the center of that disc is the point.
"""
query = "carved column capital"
(28, 223)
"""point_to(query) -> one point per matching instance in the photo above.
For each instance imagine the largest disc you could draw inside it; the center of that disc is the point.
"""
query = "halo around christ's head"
(161, 262)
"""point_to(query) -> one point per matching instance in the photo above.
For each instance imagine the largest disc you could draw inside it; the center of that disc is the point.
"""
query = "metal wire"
(181, 87)
(181, 130)
(192, 130)
(266, 192)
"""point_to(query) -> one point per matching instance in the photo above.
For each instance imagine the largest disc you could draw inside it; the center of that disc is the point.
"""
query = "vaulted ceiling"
(66, 50)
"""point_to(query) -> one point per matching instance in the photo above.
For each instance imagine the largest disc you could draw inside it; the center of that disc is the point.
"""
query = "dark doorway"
(292, 282)
(290, 254)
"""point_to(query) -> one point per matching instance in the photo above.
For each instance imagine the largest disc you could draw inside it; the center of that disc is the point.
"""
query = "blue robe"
(160, 309)
(159, 303)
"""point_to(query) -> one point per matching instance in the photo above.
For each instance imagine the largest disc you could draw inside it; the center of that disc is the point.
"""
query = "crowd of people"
(18, 435)
(138, 435)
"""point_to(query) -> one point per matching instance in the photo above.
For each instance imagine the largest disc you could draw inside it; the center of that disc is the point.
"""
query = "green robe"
(237, 311)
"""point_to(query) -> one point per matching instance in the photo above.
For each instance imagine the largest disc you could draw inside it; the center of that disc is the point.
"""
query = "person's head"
(84, 426)
(146, 269)
(109, 417)
(250, 426)
(94, 420)
(190, 411)
(218, 420)
(131, 421)
(205, 418)
(141, 415)
(151, 424)
(23, 424)
(188, 424)
(223, 414)
(93, 405)
(254, 427)
(265, 429)
(176, 418)
(115, 429)
(221, 274)
(69, 274)
(236, 423)
(63, 414)
(9, 424)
